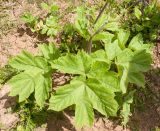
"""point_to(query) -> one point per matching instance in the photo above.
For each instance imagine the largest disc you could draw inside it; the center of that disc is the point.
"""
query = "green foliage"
(30, 20)
(86, 95)
(6, 73)
(70, 39)
(132, 64)
(78, 64)
(49, 25)
(125, 113)
(101, 78)
(94, 32)
(49, 52)
(30, 116)
(52, 9)
(144, 18)
(85, 91)
(36, 75)
(82, 23)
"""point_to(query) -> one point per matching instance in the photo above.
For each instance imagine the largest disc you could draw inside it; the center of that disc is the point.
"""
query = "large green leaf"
(26, 61)
(102, 98)
(86, 95)
(99, 70)
(136, 42)
(133, 63)
(49, 52)
(74, 64)
(132, 77)
(141, 61)
(124, 57)
(99, 67)
(123, 62)
(25, 83)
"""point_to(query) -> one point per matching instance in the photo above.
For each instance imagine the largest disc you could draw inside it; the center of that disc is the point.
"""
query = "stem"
(89, 45)
(100, 13)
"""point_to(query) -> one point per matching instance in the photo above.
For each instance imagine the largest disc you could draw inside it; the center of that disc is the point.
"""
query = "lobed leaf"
(87, 93)
(74, 64)
(133, 64)
(25, 83)
(107, 78)
(84, 113)
(101, 21)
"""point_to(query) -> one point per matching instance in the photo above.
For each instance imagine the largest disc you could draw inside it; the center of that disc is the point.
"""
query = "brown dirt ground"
(19, 38)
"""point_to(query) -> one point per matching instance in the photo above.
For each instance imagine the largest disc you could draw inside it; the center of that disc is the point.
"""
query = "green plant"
(93, 28)
(30, 20)
(36, 75)
(6, 73)
(49, 25)
(90, 87)
(31, 116)
(129, 64)
(102, 77)
(52, 9)
(142, 17)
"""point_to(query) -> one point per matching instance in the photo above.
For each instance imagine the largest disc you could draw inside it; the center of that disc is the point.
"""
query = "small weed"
(6, 73)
